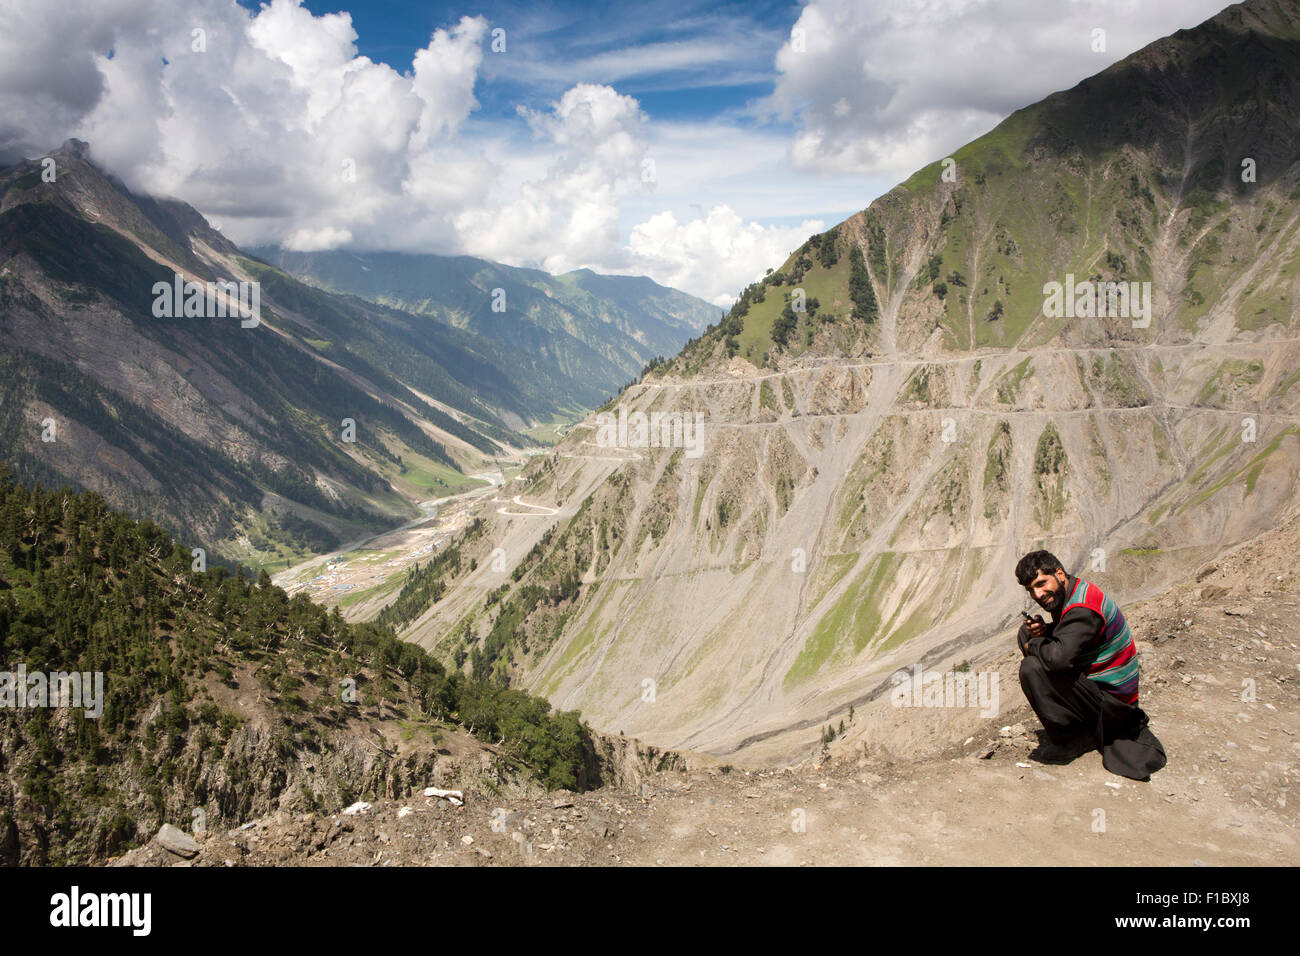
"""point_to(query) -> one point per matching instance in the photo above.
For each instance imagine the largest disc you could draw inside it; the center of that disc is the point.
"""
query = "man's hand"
(1032, 627)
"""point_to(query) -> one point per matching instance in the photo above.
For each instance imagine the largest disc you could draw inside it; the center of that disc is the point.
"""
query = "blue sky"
(659, 53)
(696, 143)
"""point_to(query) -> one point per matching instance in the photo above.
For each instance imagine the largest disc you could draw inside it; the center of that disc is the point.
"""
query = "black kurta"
(1054, 678)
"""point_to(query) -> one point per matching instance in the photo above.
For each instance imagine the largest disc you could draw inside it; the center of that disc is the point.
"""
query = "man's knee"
(1031, 671)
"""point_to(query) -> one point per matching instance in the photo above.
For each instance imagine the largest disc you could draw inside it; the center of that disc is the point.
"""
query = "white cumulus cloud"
(569, 216)
(889, 86)
(717, 254)
(273, 125)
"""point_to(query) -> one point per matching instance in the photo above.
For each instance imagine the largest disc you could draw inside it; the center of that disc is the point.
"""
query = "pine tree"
(861, 291)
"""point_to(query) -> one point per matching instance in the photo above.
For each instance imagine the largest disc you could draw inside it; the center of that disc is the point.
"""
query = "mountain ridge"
(600, 342)
(329, 419)
(878, 461)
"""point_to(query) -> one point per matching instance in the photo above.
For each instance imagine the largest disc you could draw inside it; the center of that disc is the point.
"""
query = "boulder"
(177, 841)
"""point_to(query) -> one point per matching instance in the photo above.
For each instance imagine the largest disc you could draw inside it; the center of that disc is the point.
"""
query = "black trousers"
(1070, 705)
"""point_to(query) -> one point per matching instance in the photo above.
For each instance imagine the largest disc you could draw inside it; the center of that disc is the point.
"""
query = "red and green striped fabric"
(1114, 663)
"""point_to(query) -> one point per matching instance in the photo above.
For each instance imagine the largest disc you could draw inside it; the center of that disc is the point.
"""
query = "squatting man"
(1080, 672)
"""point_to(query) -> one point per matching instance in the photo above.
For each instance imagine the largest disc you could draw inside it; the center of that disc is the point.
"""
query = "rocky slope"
(873, 466)
(910, 785)
(202, 699)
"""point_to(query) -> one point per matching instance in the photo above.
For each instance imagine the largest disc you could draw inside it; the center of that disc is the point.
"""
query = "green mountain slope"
(217, 699)
(595, 332)
(1174, 166)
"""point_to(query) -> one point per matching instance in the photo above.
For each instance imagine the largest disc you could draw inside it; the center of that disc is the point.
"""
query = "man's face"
(1048, 590)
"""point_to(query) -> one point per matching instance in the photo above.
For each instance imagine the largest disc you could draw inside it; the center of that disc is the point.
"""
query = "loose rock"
(177, 841)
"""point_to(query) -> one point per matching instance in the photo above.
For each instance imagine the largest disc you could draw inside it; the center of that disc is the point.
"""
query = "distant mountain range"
(264, 440)
(598, 331)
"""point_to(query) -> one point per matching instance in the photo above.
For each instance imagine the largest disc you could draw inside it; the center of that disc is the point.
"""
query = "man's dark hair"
(1031, 564)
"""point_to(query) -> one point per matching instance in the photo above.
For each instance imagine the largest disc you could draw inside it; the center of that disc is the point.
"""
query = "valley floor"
(363, 576)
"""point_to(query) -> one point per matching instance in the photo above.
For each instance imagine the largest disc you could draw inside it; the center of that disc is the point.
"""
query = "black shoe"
(1062, 751)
